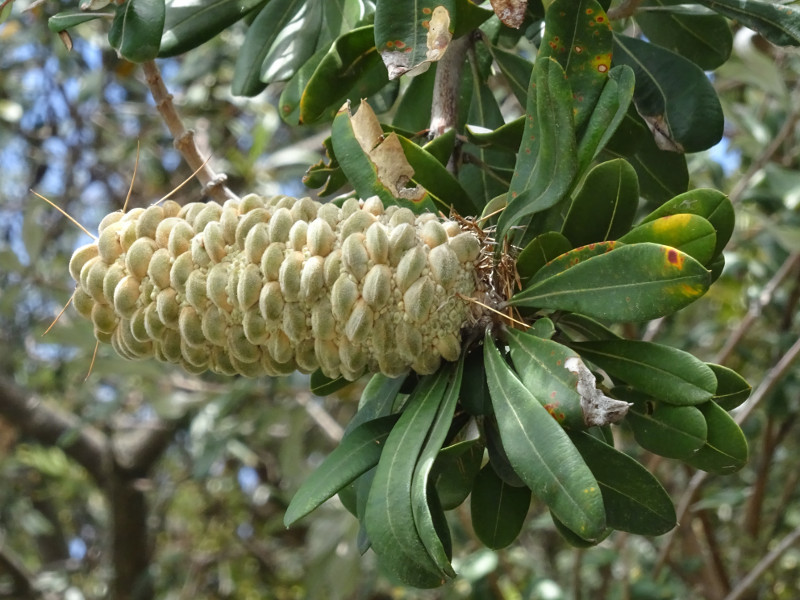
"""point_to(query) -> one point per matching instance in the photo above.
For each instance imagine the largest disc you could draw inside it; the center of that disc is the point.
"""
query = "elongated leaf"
(546, 162)
(635, 501)
(569, 259)
(440, 184)
(324, 386)
(667, 430)
(474, 391)
(66, 19)
(498, 458)
(294, 89)
(377, 399)
(350, 69)
(584, 327)
(665, 373)
(779, 23)
(673, 95)
(691, 234)
(388, 516)
(704, 39)
(190, 24)
(732, 388)
(294, 44)
(725, 450)
(708, 203)
(604, 207)
(507, 137)
(517, 71)
(608, 115)
(262, 34)
(498, 509)
(454, 472)
(541, 250)
(540, 365)
(357, 453)
(572, 538)
(636, 282)
(137, 29)
(414, 109)
(422, 504)
(578, 35)
(541, 453)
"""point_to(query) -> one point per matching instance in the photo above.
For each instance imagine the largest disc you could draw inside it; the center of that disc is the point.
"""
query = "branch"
(764, 564)
(444, 110)
(214, 183)
(51, 426)
(136, 451)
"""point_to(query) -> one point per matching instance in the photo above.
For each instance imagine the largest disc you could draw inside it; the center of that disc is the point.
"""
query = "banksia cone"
(268, 286)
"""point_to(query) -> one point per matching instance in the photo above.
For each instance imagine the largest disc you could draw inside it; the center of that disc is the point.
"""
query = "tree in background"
(144, 481)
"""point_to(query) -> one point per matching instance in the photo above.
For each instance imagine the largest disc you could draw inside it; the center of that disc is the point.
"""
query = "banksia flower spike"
(265, 286)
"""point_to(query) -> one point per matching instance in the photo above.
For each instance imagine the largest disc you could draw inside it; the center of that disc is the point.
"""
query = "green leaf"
(442, 187)
(498, 509)
(540, 451)
(608, 115)
(506, 137)
(636, 282)
(635, 501)
(732, 388)
(571, 258)
(454, 471)
(190, 24)
(578, 35)
(517, 71)
(137, 29)
(584, 327)
(604, 207)
(424, 505)
(67, 19)
(482, 168)
(690, 234)
(262, 34)
(573, 539)
(673, 95)
(708, 203)
(777, 22)
(414, 109)
(541, 250)
(350, 69)
(546, 163)
(498, 458)
(5, 12)
(704, 39)
(294, 44)
(663, 372)
(667, 430)
(662, 174)
(358, 452)
(322, 385)
(474, 391)
(388, 516)
(540, 365)
(725, 450)
(293, 90)
(377, 399)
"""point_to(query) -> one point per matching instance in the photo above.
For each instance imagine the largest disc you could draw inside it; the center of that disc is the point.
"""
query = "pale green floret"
(269, 285)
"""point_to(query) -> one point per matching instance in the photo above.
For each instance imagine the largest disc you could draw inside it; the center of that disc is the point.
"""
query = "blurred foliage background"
(228, 454)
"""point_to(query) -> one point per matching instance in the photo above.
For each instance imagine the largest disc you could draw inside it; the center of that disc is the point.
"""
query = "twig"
(756, 306)
(213, 182)
(444, 110)
(764, 564)
(50, 426)
(321, 417)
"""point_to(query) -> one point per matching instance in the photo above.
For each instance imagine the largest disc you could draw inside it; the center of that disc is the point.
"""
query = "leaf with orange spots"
(540, 451)
(411, 34)
(578, 35)
(636, 282)
(570, 258)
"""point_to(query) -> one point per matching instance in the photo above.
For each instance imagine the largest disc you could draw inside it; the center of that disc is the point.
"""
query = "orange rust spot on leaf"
(426, 11)
(399, 44)
(426, 24)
